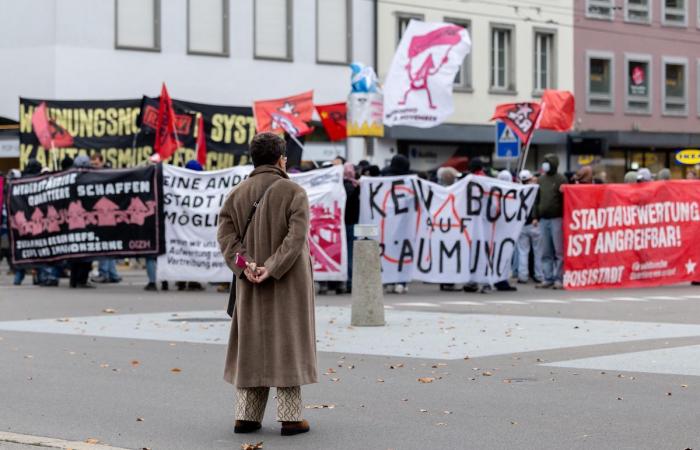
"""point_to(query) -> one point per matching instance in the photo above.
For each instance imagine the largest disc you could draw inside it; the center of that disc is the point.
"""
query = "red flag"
(201, 142)
(166, 141)
(334, 119)
(50, 134)
(288, 114)
(520, 118)
(557, 111)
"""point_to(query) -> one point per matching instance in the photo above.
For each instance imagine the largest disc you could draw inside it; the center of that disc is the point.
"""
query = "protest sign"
(622, 235)
(124, 132)
(465, 232)
(192, 203)
(418, 87)
(83, 213)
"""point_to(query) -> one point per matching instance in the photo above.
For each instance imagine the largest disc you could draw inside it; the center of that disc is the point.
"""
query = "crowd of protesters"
(538, 256)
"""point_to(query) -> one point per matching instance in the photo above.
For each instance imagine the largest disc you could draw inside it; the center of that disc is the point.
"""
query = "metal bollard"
(367, 291)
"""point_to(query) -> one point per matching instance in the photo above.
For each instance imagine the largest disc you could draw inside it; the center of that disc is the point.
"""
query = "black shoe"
(695, 283)
(194, 286)
(471, 288)
(49, 283)
(522, 281)
(99, 279)
(507, 288)
(181, 285)
(246, 426)
(85, 286)
(114, 280)
(164, 286)
(150, 287)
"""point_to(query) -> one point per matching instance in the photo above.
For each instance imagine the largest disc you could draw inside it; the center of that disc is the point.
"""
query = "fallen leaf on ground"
(335, 379)
(329, 370)
(380, 380)
(109, 310)
(441, 424)
(486, 374)
(139, 419)
(426, 379)
(92, 441)
(684, 385)
(175, 370)
(104, 366)
(135, 363)
(423, 410)
(63, 319)
(396, 366)
(248, 446)
(328, 406)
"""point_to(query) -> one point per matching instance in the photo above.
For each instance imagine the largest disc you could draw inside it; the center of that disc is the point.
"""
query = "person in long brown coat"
(273, 339)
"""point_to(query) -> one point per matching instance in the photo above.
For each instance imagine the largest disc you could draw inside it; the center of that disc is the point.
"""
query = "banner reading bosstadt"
(83, 213)
(637, 235)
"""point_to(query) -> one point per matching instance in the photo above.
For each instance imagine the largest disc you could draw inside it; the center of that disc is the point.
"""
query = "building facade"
(228, 52)
(636, 84)
(518, 50)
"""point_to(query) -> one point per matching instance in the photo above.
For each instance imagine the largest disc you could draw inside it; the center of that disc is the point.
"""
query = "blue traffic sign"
(507, 142)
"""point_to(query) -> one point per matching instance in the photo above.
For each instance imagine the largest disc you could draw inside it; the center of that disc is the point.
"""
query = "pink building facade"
(636, 84)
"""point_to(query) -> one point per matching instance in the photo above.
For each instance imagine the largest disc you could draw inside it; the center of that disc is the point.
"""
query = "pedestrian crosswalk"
(545, 301)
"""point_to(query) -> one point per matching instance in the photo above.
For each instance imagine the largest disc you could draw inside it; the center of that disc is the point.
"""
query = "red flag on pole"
(166, 141)
(288, 114)
(201, 142)
(334, 119)
(50, 134)
(520, 118)
(557, 111)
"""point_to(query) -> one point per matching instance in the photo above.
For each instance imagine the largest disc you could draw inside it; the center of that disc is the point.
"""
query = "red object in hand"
(240, 261)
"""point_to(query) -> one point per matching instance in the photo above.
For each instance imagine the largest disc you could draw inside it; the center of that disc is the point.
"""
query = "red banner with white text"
(631, 235)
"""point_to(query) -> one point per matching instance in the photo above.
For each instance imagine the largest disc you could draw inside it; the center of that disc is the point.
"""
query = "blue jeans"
(151, 269)
(530, 239)
(108, 269)
(48, 273)
(552, 250)
(19, 276)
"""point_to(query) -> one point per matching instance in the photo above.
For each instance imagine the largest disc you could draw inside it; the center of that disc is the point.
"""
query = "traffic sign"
(507, 142)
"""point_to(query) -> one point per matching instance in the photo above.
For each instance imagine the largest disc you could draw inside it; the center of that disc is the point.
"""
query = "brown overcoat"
(273, 336)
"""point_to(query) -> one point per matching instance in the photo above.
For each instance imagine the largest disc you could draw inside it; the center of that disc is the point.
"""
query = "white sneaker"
(401, 289)
(389, 289)
(558, 285)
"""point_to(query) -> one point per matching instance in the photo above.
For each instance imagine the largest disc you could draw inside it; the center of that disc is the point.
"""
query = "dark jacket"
(399, 165)
(550, 204)
(352, 204)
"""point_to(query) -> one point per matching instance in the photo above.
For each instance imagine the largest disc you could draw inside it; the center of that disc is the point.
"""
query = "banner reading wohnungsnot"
(631, 235)
(83, 213)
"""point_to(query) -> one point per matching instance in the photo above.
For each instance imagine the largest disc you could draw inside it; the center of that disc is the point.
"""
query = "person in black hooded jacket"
(399, 165)
(550, 209)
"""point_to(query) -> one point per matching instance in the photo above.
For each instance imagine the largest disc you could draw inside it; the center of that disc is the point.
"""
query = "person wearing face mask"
(550, 209)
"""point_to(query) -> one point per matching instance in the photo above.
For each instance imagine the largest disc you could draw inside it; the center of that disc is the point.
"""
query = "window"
(403, 20)
(543, 64)
(673, 12)
(207, 27)
(675, 88)
(600, 82)
(463, 80)
(638, 84)
(137, 24)
(502, 60)
(637, 11)
(273, 29)
(600, 9)
(333, 31)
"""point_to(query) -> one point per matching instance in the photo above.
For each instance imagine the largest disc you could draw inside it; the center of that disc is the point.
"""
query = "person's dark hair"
(266, 148)
(97, 156)
(66, 163)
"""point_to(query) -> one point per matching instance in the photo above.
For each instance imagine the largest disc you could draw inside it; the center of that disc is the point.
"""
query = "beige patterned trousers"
(250, 403)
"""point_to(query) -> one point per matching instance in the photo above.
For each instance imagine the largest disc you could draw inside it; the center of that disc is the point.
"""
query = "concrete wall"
(477, 107)
(655, 40)
(65, 50)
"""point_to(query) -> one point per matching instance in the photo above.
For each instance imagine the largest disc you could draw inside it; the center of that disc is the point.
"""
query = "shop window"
(600, 82)
(638, 84)
(674, 12)
(675, 86)
(502, 60)
(600, 9)
(463, 80)
(637, 11)
(403, 19)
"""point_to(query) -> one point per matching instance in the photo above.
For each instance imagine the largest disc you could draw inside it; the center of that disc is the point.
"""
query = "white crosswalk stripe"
(547, 300)
(509, 302)
(462, 303)
(419, 304)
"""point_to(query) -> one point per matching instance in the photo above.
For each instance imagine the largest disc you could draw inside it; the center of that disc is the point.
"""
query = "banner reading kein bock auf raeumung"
(621, 235)
(456, 234)
(84, 213)
(192, 203)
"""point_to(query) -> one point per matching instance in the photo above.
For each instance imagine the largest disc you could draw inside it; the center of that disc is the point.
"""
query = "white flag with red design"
(418, 87)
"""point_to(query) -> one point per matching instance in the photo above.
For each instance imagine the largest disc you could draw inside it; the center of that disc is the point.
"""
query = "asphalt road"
(616, 369)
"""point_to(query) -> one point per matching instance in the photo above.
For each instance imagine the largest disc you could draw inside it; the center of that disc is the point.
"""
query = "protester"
(584, 175)
(272, 341)
(644, 175)
(399, 165)
(505, 175)
(476, 167)
(446, 176)
(691, 175)
(106, 267)
(631, 176)
(664, 174)
(80, 268)
(352, 214)
(338, 161)
(529, 239)
(550, 209)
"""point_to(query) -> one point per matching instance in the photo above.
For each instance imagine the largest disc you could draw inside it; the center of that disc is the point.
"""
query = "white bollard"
(367, 290)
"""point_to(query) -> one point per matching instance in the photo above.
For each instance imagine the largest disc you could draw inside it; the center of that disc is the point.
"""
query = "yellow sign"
(585, 160)
(689, 156)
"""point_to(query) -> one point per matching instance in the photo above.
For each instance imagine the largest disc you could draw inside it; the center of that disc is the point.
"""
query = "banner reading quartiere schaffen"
(631, 235)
